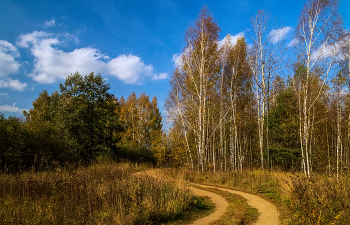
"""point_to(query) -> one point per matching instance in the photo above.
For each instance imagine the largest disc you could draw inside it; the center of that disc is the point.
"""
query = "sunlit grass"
(105, 193)
(301, 200)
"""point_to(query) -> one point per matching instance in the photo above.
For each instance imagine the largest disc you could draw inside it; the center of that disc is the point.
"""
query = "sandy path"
(220, 206)
(268, 214)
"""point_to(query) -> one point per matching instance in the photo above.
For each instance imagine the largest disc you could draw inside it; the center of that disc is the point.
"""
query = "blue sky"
(131, 43)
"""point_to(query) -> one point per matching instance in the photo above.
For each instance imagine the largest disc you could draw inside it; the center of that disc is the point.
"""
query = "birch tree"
(263, 63)
(240, 88)
(224, 58)
(194, 81)
(317, 34)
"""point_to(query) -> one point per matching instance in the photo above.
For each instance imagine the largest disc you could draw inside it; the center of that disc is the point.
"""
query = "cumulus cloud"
(129, 68)
(10, 108)
(8, 64)
(279, 34)
(34, 38)
(50, 23)
(160, 76)
(14, 84)
(52, 64)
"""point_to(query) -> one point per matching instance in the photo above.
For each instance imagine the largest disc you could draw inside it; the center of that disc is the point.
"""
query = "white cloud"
(293, 43)
(160, 76)
(8, 53)
(50, 23)
(325, 51)
(279, 34)
(52, 64)
(129, 68)
(33, 38)
(232, 39)
(4, 94)
(14, 84)
(10, 108)
(177, 59)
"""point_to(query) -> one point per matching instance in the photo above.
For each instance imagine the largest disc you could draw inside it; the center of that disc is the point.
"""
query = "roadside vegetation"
(104, 193)
(238, 211)
(301, 200)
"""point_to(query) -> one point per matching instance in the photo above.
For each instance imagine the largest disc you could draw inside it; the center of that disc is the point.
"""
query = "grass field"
(110, 193)
(104, 193)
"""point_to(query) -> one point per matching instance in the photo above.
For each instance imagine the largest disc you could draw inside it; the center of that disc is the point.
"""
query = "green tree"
(88, 113)
(45, 107)
(284, 121)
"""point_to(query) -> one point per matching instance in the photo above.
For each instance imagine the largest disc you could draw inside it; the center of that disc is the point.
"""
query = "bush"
(133, 153)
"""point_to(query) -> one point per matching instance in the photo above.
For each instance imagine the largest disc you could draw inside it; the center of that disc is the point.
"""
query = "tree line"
(79, 124)
(232, 105)
(267, 105)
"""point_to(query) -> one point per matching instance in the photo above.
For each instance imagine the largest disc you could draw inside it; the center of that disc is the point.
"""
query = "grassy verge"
(104, 193)
(300, 200)
(200, 207)
(238, 211)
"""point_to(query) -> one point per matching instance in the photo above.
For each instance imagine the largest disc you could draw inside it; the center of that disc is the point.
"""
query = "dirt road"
(220, 203)
(268, 214)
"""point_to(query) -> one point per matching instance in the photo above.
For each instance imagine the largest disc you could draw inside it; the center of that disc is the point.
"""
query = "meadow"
(105, 193)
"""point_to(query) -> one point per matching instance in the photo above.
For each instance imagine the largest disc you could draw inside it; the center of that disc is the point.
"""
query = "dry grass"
(238, 211)
(99, 194)
(317, 200)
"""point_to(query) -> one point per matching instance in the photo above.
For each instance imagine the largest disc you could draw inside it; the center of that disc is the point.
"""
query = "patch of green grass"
(199, 208)
(238, 211)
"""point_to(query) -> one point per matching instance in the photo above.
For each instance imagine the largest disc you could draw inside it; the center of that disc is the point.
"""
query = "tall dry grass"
(316, 200)
(99, 194)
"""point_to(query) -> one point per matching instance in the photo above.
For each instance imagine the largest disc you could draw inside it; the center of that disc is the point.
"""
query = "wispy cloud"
(4, 94)
(33, 38)
(279, 34)
(292, 43)
(52, 64)
(10, 108)
(326, 51)
(50, 23)
(160, 76)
